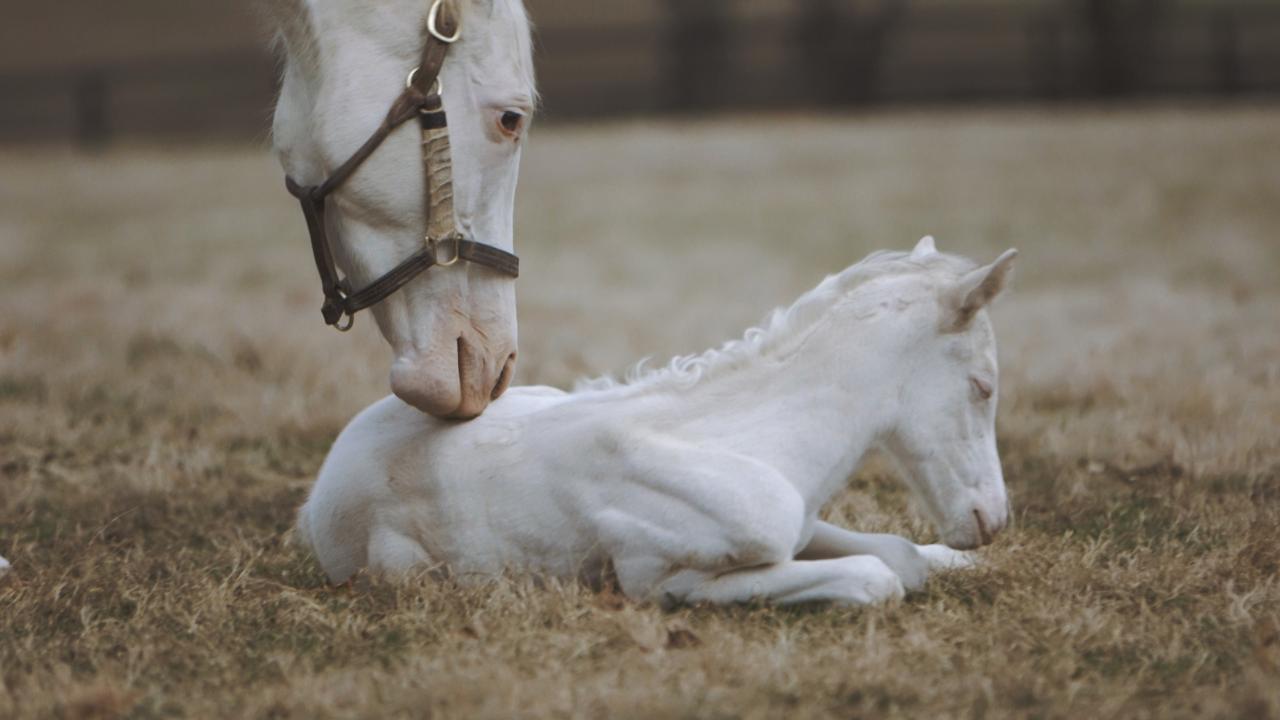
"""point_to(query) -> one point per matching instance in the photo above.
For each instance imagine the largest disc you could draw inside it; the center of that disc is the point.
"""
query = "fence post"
(818, 36)
(92, 129)
(842, 48)
(697, 45)
(1122, 34)
(1045, 48)
(1226, 55)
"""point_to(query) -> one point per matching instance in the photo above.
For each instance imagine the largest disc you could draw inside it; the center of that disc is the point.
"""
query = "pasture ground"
(167, 392)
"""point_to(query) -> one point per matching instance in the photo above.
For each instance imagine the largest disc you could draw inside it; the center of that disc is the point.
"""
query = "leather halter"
(421, 99)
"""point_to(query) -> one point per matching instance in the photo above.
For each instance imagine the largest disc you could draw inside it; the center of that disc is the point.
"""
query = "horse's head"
(452, 329)
(944, 435)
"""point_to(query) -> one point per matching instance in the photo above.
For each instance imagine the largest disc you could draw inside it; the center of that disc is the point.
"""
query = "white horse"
(452, 329)
(703, 481)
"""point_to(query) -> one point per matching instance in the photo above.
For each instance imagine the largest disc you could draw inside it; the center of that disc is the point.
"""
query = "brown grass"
(167, 392)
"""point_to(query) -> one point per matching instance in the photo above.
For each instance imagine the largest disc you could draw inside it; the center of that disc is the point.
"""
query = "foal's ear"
(924, 247)
(978, 288)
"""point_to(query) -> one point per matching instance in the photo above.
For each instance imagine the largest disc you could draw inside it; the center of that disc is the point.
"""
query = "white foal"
(702, 481)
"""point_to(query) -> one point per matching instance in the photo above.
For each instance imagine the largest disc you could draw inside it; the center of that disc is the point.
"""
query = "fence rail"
(212, 96)
(699, 56)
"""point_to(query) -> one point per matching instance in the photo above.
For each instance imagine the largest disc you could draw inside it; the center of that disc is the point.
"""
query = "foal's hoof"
(871, 581)
(905, 559)
(941, 557)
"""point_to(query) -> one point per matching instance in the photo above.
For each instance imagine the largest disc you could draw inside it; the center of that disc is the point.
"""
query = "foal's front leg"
(854, 580)
(911, 562)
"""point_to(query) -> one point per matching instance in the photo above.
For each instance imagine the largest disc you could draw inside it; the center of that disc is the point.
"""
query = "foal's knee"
(392, 553)
(770, 532)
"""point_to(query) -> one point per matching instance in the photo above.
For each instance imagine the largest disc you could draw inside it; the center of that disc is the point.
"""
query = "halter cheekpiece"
(444, 244)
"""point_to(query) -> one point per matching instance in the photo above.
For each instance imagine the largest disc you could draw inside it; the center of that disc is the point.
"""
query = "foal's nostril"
(984, 535)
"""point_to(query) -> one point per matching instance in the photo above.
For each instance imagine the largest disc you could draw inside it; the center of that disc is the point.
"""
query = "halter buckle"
(435, 244)
(437, 87)
(435, 32)
(333, 312)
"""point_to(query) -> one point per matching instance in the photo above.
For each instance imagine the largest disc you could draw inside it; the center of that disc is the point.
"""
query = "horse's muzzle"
(456, 385)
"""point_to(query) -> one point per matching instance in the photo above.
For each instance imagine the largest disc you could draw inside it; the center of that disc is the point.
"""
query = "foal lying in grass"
(702, 481)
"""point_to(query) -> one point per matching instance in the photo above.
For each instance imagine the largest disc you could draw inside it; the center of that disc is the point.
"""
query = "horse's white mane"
(780, 327)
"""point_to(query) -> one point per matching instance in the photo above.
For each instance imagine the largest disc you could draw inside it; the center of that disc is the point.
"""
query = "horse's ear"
(978, 288)
(924, 247)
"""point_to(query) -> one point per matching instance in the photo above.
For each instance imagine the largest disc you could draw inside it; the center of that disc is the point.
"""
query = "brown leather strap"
(313, 211)
(489, 256)
(405, 107)
(338, 303)
(378, 290)
(469, 250)
(433, 50)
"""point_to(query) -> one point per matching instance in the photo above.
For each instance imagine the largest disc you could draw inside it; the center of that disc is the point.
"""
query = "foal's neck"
(811, 412)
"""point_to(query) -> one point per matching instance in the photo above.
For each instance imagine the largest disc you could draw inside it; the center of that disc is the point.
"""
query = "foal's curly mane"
(781, 327)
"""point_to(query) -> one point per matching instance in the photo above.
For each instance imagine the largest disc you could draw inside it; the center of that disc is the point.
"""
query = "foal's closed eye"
(981, 387)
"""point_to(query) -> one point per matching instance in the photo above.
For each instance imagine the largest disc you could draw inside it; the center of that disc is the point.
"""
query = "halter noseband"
(421, 98)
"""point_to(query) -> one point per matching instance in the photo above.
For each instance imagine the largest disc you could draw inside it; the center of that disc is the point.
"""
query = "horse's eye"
(511, 122)
(982, 388)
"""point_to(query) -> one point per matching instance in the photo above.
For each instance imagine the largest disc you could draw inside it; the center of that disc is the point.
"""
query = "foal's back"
(401, 490)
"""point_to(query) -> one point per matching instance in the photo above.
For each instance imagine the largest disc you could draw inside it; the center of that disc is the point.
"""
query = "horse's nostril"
(504, 378)
(418, 383)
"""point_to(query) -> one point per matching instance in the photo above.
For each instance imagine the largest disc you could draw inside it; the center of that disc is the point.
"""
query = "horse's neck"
(811, 414)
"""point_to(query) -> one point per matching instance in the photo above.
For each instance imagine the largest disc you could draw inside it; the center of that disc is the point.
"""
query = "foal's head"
(452, 329)
(943, 431)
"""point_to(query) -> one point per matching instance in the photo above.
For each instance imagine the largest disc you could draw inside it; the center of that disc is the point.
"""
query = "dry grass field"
(168, 390)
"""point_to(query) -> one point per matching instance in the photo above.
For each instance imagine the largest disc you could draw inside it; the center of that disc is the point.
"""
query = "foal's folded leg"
(941, 557)
(392, 553)
(911, 562)
(857, 580)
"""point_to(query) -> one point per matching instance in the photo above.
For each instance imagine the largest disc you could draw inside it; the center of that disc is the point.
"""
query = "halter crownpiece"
(421, 98)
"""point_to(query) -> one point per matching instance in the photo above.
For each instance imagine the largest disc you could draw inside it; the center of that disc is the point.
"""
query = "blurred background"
(92, 72)
(168, 389)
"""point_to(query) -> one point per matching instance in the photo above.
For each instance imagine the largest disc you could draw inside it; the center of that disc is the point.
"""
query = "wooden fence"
(218, 97)
(699, 56)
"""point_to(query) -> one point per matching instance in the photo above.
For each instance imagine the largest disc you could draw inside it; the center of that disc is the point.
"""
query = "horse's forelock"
(290, 22)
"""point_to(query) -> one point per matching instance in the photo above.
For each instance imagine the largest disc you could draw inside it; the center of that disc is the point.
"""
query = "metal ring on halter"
(437, 86)
(431, 24)
(434, 244)
(351, 320)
